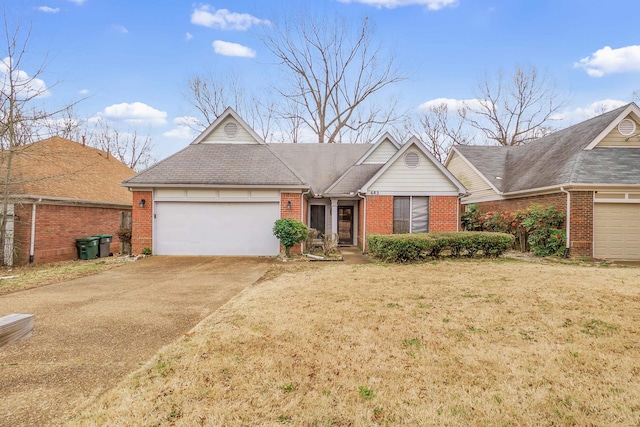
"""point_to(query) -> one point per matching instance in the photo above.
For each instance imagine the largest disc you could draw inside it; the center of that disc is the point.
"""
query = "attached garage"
(616, 231)
(217, 226)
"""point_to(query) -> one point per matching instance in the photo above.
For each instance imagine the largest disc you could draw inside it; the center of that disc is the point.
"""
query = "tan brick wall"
(581, 215)
(443, 213)
(141, 222)
(58, 227)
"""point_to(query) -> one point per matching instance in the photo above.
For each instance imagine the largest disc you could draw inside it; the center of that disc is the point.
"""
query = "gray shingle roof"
(320, 165)
(557, 159)
(220, 164)
(353, 179)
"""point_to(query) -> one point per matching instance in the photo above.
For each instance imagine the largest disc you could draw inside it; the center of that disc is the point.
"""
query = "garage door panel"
(617, 231)
(216, 228)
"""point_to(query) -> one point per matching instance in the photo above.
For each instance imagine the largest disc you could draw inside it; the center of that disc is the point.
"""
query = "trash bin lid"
(87, 239)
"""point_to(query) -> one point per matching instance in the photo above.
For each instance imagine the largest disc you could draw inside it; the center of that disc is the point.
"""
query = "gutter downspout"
(568, 221)
(32, 243)
(364, 225)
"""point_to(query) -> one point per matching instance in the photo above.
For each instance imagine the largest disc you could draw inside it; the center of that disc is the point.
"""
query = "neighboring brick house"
(222, 194)
(61, 190)
(590, 170)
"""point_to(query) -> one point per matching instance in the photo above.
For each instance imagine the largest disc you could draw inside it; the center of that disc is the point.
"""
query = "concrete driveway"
(91, 332)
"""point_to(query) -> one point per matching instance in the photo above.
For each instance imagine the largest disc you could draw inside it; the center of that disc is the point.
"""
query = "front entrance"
(345, 225)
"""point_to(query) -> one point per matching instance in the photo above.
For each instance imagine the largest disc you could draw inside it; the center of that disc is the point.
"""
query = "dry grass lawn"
(453, 343)
(20, 278)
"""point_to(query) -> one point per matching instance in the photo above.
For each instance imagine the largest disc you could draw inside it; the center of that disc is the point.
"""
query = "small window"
(410, 215)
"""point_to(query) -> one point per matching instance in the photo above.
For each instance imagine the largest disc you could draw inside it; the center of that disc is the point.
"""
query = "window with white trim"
(410, 214)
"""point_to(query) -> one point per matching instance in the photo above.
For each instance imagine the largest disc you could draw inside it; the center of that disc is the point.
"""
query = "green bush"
(289, 232)
(418, 246)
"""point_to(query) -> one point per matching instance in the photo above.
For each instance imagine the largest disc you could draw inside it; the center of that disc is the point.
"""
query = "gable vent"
(231, 129)
(411, 159)
(626, 127)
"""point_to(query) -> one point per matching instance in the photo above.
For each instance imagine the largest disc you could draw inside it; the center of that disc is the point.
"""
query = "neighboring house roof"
(561, 158)
(58, 168)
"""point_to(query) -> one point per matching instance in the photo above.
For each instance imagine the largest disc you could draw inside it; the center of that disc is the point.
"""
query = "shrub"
(418, 246)
(124, 234)
(289, 232)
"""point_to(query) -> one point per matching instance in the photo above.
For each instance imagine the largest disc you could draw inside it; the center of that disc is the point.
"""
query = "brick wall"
(581, 215)
(443, 213)
(141, 222)
(379, 214)
(294, 213)
(58, 227)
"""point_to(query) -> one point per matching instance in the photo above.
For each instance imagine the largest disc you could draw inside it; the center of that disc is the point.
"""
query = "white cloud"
(392, 4)
(79, 2)
(136, 112)
(594, 109)
(232, 49)
(47, 9)
(25, 86)
(452, 104)
(607, 61)
(84, 91)
(223, 19)
(120, 29)
(188, 36)
(183, 129)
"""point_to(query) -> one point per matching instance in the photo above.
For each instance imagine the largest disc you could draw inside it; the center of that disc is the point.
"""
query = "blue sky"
(131, 59)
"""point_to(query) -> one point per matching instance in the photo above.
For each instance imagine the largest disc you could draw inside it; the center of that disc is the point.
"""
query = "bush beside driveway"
(92, 331)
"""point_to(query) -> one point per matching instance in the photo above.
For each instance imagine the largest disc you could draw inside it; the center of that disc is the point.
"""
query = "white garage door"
(183, 228)
(616, 231)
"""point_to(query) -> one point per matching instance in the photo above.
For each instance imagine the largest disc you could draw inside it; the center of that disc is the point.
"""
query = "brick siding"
(581, 215)
(141, 222)
(443, 213)
(58, 227)
(294, 213)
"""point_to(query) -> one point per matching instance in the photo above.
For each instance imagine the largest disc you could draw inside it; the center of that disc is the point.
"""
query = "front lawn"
(458, 343)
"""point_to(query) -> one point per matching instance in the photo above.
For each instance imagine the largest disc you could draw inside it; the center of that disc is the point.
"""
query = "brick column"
(141, 222)
(581, 223)
(293, 212)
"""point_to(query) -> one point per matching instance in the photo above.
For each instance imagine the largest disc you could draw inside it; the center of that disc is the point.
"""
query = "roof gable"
(420, 172)
(611, 136)
(228, 128)
(381, 151)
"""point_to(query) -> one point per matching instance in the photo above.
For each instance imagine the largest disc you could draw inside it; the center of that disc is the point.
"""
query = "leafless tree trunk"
(334, 73)
(210, 94)
(439, 129)
(130, 148)
(517, 111)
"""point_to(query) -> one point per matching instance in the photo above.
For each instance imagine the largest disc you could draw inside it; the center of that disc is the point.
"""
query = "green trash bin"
(87, 247)
(104, 244)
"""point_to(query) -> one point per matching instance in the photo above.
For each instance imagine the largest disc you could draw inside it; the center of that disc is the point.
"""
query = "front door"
(345, 225)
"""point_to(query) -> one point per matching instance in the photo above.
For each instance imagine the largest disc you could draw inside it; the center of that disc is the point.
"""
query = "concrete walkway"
(353, 255)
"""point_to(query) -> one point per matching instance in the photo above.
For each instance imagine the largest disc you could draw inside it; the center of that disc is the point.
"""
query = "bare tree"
(516, 111)
(439, 129)
(128, 147)
(334, 71)
(211, 93)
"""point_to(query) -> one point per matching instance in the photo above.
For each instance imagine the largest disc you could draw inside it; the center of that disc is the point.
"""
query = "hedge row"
(418, 246)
